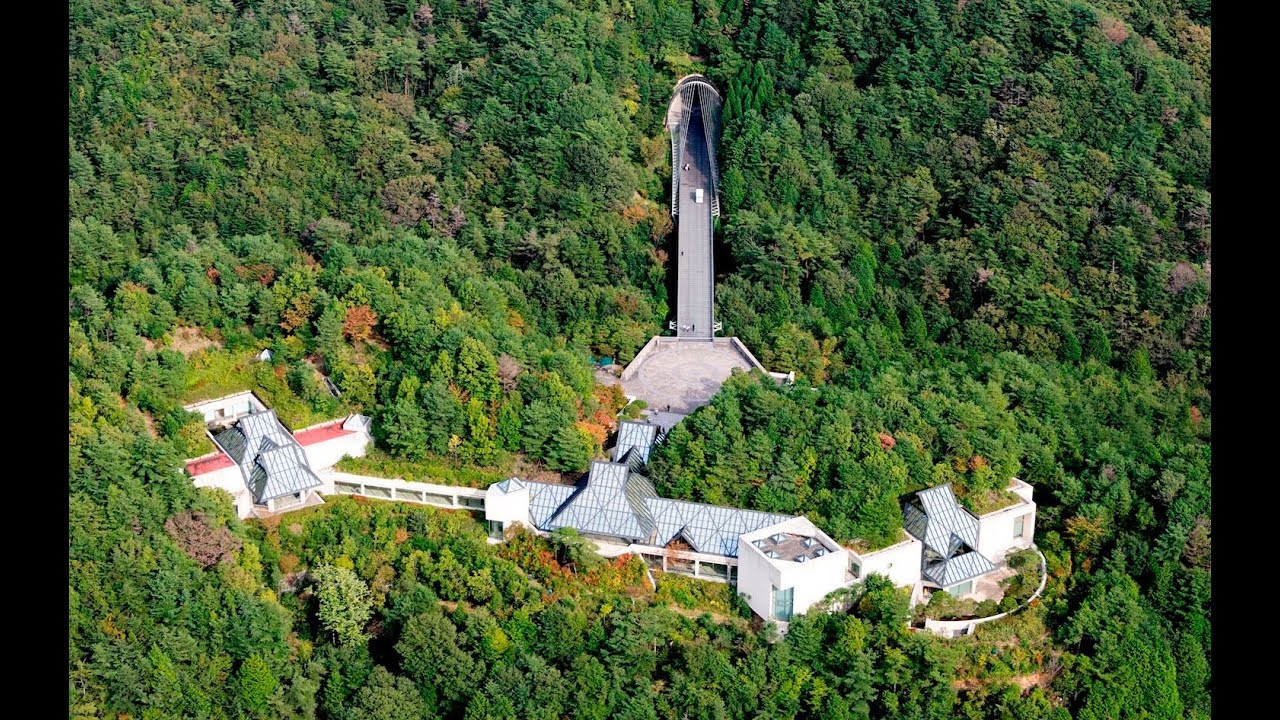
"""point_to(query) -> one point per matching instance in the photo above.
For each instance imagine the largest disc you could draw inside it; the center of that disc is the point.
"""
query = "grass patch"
(441, 471)
(862, 546)
(986, 502)
(215, 373)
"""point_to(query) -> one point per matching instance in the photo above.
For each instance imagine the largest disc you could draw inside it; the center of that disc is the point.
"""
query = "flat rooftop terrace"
(787, 546)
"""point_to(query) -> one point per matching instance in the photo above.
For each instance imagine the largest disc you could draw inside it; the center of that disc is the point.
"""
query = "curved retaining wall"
(957, 628)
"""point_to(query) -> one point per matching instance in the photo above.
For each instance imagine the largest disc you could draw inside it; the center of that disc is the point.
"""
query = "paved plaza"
(683, 375)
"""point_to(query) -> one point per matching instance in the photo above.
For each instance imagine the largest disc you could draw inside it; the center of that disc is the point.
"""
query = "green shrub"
(693, 594)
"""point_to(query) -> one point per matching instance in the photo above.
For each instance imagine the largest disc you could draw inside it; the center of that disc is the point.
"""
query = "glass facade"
(1019, 524)
(963, 588)
(783, 602)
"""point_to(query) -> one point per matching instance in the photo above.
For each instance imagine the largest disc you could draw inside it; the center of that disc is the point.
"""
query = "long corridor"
(695, 264)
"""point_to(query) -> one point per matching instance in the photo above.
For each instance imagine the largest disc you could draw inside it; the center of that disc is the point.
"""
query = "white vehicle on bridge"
(697, 195)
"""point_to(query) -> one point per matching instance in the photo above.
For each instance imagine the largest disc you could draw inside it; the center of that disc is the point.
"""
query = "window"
(963, 588)
(714, 570)
(1019, 524)
(855, 568)
(783, 601)
(285, 501)
(495, 529)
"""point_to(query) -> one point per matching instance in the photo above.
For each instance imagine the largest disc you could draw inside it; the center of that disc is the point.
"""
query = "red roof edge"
(322, 433)
(209, 464)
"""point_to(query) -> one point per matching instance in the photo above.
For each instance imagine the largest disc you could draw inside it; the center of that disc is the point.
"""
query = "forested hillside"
(979, 232)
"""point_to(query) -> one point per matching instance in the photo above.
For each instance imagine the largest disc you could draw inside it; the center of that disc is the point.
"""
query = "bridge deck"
(694, 264)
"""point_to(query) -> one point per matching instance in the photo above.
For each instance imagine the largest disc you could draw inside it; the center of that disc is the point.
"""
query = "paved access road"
(694, 263)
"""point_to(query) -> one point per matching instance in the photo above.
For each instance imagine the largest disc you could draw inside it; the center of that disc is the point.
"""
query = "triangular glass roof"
(610, 501)
(949, 534)
(271, 461)
(635, 442)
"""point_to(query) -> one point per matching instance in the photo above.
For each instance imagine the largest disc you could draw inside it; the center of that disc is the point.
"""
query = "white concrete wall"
(228, 478)
(233, 405)
(995, 530)
(814, 579)
(810, 581)
(756, 578)
(899, 562)
(1021, 488)
(244, 503)
(507, 507)
(327, 453)
(230, 481)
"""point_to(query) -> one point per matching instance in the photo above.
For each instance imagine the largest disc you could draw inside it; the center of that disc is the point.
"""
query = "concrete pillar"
(697, 568)
(393, 493)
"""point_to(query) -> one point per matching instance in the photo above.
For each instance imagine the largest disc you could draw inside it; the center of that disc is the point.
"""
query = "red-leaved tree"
(201, 541)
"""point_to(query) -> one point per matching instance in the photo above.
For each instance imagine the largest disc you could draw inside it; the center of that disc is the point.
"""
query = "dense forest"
(979, 231)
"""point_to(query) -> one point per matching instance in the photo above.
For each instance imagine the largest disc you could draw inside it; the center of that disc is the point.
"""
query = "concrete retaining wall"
(634, 366)
(736, 344)
(658, 343)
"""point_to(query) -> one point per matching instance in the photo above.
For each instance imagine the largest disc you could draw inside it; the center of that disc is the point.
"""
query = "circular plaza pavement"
(683, 375)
